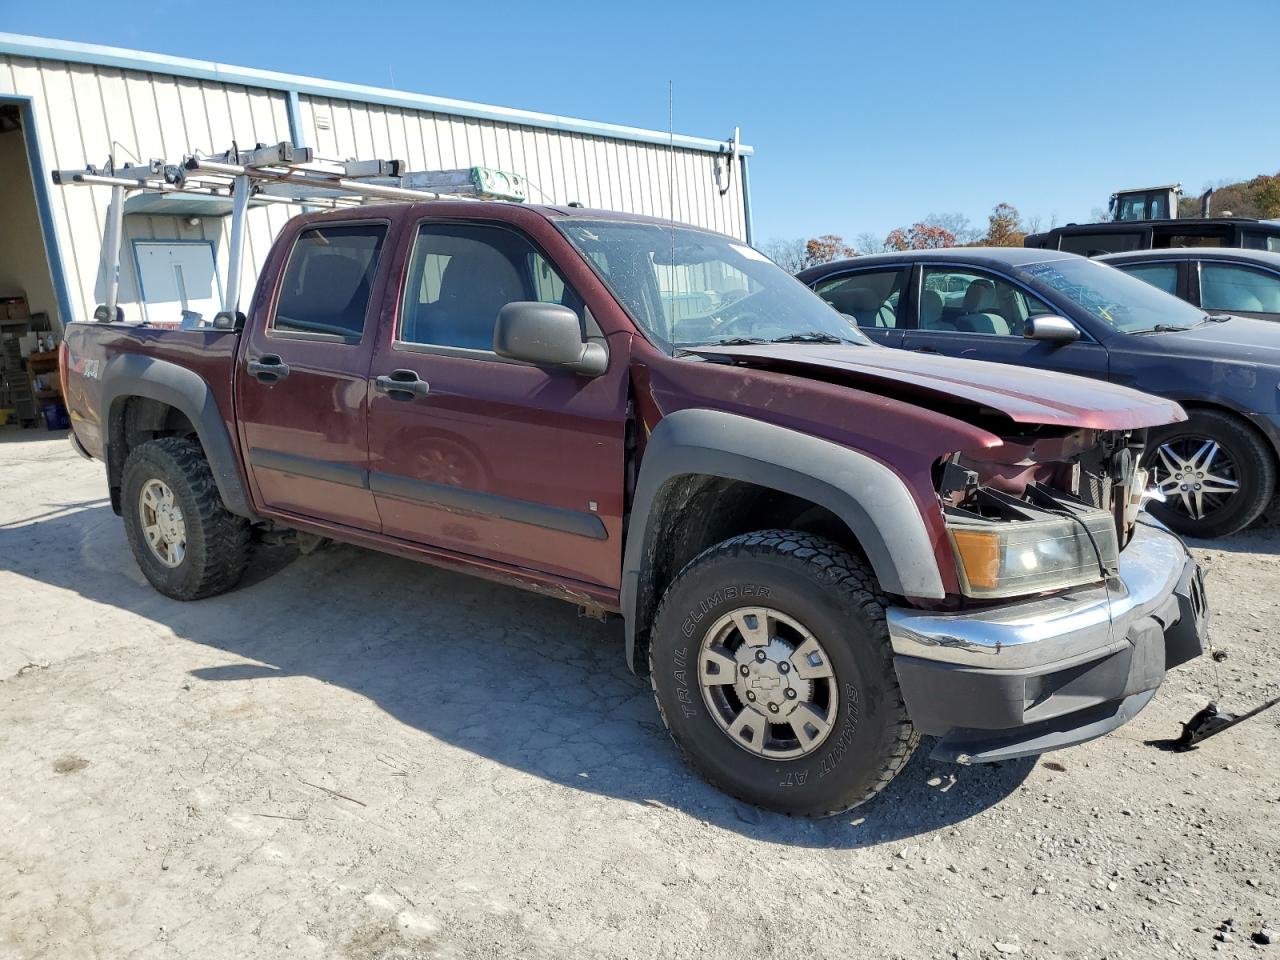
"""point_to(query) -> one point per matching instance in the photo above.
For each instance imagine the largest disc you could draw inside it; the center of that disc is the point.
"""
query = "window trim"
(592, 328)
(316, 336)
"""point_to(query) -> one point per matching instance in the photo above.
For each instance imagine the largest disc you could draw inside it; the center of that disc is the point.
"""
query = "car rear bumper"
(1036, 675)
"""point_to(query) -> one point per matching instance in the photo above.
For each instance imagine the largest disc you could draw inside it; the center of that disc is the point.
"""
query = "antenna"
(671, 207)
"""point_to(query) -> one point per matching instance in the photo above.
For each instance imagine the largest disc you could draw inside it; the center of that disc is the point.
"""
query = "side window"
(461, 275)
(1162, 276)
(1092, 244)
(871, 297)
(1262, 241)
(958, 300)
(1229, 287)
(328, 280)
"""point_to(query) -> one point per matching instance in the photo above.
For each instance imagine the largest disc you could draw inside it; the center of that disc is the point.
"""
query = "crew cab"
(819, 548)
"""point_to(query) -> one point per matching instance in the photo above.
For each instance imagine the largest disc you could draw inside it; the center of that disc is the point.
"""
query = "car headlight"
(1009, 558)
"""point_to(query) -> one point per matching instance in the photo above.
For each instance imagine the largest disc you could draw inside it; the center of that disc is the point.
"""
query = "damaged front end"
(1038, 514)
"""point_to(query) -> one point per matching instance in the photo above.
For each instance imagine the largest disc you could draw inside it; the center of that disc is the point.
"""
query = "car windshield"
(690, 288)
(1126, 303)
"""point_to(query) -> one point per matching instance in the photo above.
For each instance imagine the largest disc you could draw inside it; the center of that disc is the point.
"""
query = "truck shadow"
(502, 673)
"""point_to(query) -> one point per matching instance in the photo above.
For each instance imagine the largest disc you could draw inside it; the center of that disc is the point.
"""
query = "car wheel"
(1216, 473)
(771, 665)
(186, 542)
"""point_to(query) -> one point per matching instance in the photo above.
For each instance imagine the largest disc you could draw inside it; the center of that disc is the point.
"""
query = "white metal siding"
(86, 112)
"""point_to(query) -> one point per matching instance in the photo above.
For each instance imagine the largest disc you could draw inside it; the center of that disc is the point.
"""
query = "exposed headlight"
(1009, 558)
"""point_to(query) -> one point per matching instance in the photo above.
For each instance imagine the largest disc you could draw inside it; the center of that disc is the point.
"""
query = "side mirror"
(1051, 328)
(547, 335)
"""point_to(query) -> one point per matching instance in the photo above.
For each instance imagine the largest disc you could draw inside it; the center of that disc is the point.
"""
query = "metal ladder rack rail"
(279, 173)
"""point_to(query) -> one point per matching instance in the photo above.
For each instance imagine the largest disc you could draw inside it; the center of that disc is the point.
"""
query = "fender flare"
(135, 375)
(865, 494)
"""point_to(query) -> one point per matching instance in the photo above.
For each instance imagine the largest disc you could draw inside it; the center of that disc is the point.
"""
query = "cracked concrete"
(356, 756)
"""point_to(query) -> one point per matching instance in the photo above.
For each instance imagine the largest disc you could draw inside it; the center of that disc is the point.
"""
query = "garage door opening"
(24, 267)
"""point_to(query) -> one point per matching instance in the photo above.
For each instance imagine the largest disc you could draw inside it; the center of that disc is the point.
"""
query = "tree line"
(1005, 228)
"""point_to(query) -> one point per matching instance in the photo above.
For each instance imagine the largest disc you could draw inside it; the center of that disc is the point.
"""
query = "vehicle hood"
(1023, 394)
(1242, 339)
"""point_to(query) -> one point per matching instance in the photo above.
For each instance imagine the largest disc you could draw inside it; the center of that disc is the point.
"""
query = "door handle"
(268, 368)
(926, 349)
(401, 385)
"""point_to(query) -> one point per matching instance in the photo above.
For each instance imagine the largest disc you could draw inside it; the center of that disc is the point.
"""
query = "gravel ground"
(356, 756)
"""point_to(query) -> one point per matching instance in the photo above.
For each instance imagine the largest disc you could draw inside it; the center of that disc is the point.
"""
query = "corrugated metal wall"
(86, 112)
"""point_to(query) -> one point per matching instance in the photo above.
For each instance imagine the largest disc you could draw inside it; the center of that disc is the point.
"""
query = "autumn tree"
(1265, 192)
(920, 236)
(1004, 227)
(826, 248)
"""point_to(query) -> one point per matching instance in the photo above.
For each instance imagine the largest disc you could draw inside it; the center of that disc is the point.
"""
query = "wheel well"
(1199, 406)
(695, 511)
(134, 421)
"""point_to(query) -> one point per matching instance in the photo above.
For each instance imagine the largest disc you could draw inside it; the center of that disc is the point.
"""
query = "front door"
(301, 392)
(874, 299)
(483, 456)
(970, 313)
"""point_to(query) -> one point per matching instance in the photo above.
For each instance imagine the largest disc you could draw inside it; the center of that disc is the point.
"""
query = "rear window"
(1094, 244)
(327, 283)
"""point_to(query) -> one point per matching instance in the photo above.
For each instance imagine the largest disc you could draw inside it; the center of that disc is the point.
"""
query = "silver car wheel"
(163, 525)
(1196, 475)
(768, 682)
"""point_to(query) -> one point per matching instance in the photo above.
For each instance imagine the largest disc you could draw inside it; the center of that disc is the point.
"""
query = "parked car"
(820, 549)
(1094, 239)
(1058, 311)
(1245, 283)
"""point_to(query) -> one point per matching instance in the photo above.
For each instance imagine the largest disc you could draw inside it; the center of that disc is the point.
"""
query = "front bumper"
(1022, 678)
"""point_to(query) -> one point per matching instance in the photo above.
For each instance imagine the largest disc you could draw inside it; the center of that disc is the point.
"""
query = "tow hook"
(1211, 721)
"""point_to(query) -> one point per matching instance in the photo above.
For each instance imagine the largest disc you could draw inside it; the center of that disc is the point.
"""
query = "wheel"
(186, 542)
(1216, 473)
(770, 662)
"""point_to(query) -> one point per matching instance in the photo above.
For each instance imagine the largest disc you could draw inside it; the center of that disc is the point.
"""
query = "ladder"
(279, 173)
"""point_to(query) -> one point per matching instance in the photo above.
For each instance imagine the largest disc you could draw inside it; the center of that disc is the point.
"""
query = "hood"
(1240, 339)
(1023, 394)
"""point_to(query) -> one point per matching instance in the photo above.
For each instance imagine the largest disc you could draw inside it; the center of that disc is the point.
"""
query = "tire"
(1241, 457)
(216, 546)
(812, 583)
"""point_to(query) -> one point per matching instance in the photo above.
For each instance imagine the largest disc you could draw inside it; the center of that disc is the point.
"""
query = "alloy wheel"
(1196, 475)
(163, 525)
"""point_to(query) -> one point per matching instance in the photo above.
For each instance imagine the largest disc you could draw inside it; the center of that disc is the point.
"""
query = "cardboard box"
(14, 308)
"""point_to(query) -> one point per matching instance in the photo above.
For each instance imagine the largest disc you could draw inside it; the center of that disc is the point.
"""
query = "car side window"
(461, 275)
(962, 300)
(871, 297)
(1231, 287)
(1162, 276)
(326, 285)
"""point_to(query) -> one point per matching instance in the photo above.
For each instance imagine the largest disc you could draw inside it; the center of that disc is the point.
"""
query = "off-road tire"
(820, 584)
(217, 548)
(1256, 469)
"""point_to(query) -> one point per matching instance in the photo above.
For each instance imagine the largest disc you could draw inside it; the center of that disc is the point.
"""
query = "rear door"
(301, 390)
(875, 298)
(480, 455)
(979, 315)
(1238, 288)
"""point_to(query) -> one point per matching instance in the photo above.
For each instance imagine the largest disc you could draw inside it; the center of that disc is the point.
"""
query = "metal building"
(65, 104)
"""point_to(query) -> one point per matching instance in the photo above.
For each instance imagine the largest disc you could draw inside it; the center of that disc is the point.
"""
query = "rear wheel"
(1216, 473)
(186, 542)
(771, 666)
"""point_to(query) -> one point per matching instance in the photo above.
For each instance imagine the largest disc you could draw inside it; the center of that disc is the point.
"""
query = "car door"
(1238, 288)
(301, 391)
(480, 455)
(979, 315)
(874, 297)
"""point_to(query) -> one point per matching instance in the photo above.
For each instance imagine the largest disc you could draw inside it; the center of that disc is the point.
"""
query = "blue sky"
(864, 116)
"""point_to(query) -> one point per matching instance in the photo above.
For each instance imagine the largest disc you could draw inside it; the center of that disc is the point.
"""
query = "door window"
(1262, 241)
(328, 280)
(461, 275)
(960, 300)
(1093, 244)
(1162, 276)
(871, 297)
(1234, 288)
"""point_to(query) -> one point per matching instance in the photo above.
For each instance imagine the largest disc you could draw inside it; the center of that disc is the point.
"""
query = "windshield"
(689, 288)
(1126, 303)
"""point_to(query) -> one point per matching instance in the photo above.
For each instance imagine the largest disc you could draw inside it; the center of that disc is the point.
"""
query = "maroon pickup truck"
(820, 549)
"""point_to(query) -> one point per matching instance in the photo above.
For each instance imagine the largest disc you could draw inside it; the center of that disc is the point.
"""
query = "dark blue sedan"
(1042, 308)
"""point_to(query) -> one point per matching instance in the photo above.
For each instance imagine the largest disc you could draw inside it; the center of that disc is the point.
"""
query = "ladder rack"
(279, 173)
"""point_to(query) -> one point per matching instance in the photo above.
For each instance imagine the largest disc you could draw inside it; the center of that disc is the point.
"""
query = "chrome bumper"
(1025, 677)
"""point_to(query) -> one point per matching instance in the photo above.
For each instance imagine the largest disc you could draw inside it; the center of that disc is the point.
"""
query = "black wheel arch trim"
(135, 375)
(864, 493)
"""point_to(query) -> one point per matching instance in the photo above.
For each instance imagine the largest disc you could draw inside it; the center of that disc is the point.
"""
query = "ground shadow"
(502, 673)
(12, 433)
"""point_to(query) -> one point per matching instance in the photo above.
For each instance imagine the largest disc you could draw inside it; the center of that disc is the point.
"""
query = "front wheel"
(770, 662)
(1216, 473)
